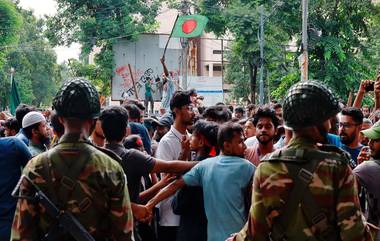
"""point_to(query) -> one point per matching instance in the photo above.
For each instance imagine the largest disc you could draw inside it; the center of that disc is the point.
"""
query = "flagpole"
(170, 36)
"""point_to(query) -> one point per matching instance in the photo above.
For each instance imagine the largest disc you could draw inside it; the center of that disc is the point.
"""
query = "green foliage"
(10, 22)
(89, 71)
(34, 62)
(336, 57)
(99, 23)
(343, 41)
(243, 23)
(238, 74)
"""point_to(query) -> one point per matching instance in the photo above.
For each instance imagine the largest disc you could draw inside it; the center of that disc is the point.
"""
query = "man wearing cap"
(163, 126)
(169, 149)
(36, 130)
(367, 174)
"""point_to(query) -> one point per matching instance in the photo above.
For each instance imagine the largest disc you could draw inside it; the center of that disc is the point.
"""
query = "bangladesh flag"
(189, 26)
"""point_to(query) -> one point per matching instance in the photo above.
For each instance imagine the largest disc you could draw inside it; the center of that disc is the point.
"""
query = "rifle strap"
(301, 164)
(69, 167)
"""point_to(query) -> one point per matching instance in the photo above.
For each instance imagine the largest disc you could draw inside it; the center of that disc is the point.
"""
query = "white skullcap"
(32, 118)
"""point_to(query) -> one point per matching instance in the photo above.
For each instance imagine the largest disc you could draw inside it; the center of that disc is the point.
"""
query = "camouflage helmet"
(309, 103)
(77, 98)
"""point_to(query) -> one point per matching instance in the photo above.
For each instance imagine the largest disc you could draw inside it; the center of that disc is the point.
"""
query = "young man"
(170, 148)
(218, 113)
(149, 97)
(189, 202)
(137, 127)
(36, 130)
(367, 123)
(21, 111)
(266, 122)
(366, 111)
(11, 127)
(239, 112)
(225, 180)
(367, 174)
(168, 88)
(350, 125)
(114, 121)
(305, 191)
(278, 109)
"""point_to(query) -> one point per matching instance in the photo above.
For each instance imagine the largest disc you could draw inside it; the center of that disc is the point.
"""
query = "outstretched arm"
(168, 191)
(172, 166)
(164, 66)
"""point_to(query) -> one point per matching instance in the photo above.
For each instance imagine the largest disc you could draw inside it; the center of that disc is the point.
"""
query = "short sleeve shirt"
(169, 148)
(135, 165)
(224, 180)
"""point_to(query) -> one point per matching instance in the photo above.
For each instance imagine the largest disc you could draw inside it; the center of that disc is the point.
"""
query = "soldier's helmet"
(77, 98)
(309, 103)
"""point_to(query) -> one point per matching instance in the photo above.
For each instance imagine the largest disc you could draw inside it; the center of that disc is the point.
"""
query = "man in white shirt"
(169, 148)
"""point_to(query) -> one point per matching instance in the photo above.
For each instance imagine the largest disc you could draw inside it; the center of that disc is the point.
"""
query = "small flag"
(189, 26)
(14, 98)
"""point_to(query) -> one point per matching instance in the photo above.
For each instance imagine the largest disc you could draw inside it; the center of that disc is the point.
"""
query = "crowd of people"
(303, 169)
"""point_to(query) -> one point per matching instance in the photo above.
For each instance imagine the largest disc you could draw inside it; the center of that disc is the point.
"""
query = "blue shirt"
(354, 152)
(225, 181)
(335, 140)
(14, 155)
(140, 129)
(21, 135)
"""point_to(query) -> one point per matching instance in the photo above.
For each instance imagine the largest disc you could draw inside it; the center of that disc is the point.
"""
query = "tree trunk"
(253, 79)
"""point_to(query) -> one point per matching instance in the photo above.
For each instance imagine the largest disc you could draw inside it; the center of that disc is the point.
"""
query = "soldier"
(76, 176)
(306, 191)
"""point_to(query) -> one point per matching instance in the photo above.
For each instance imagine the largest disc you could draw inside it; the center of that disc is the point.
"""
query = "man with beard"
(225, 179)
(36, 130)
(305, 191)
(367, 174)
(350, 124)
(266, 122)
(169, 149)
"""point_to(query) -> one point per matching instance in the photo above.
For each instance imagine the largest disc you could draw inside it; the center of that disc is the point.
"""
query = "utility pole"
(261, 38)
(184, 45)
(304, 58)
(261, 42)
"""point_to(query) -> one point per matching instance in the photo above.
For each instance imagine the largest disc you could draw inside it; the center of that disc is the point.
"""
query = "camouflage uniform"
(333, 187)
(102, 181)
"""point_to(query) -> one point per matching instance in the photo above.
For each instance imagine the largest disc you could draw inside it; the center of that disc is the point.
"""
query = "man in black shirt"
(114, 121)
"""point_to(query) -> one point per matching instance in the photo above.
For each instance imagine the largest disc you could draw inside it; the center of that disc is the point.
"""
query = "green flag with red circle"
(189, 26)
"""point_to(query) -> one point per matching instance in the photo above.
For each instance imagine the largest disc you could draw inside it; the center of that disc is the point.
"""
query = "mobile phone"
(370, 86)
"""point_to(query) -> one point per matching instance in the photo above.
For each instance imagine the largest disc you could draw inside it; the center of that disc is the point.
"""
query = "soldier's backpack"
(301, 164)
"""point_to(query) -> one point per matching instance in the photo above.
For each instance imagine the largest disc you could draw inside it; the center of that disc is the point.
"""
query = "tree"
(243, 23)
(343, 37)
(34, 62)
(10, 23)
(100, 23)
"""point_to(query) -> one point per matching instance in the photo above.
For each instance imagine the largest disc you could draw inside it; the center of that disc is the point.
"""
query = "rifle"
(67, 223)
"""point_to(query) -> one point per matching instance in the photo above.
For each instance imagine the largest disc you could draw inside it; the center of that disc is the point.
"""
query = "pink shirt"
(254, 155)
